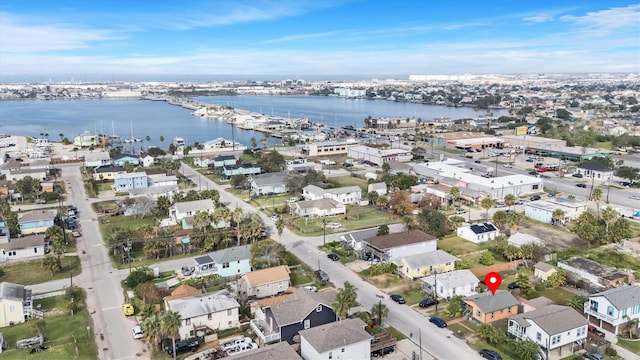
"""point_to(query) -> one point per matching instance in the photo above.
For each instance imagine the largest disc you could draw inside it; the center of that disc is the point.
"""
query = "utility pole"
(324, 232)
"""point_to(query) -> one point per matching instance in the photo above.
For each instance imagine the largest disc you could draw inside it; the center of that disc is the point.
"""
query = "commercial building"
(379, 156)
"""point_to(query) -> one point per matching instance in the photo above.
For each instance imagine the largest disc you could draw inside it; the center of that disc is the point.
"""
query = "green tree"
(526, 350)
(267, 252)
(596, 196)
(254, 143)
(455, 307)
(487, 203)
(487, 259)
(524, 281)
(632, 325)
(55, 235)
(628, 172)
(239, 181)
(237, 215)
(280, 226)
(556, 279)
(50, 263)
(557, 216)
(510, 200)
(346, 298)
(587, 228)
(202, 220)
(379, 311)
(383, 230)
(137, 277)
(152, 329)
(170, 325)
(400, 203)
(608, 215)
(500, 219)
(577, 302)
(433, 222)
(454, 193)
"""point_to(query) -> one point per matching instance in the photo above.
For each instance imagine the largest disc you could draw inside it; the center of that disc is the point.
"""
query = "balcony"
(264, 332)
(516, 330)
(594, 312)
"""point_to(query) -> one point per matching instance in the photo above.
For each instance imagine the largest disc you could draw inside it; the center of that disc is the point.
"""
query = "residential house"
(36, 221)
(348, 195)
(221, 161)
(85, 139)
(317, 208)
(396, 167)
(265, 282)
(23, 247)
(346, 339)
(240, 169)
(181, 210)
(600, 172)
(486, 308)
(107, 172)
(379, 156)
(354, 239)
(394, 246)
(147, 160)
(121, 159)
(519, 239)
(613, 309)
(181, 292)
(277, 351)
(423, 264)
(205, 314)
(542, 210)
(446, 285)
(130, 181)
(153, 174)
(596, 274)
(269, 183)
(380, 188)
(222, 144)
(163, 181)
(542, 270)
(10, 165)
(304, 309)
(558, 330)
(21, 173)
(228, 262)
(15, 304)
(203, 161)
(97, 159)
(478, 233)
(48, 186)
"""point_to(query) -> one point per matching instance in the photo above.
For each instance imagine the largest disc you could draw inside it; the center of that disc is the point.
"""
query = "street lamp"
(324, 232)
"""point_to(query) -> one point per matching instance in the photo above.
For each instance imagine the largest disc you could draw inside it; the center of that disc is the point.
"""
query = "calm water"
(138, 118)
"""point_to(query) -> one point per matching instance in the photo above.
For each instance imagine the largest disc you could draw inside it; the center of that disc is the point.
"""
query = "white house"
(147, 160)
(542, 210)
(205, 313)
(395, 246)
(23, 247)
(542, 270)
(15, 304)
(85, 139)
(558, 330)
(97, 158)
(346, 339)
(317, 208)
(379, 156)
(348, 195)
(354, 240)
(599, 172)
(612, 309)
(185, 209)
(519, 239)
(478, 233)
(380, 188)
(449, 284)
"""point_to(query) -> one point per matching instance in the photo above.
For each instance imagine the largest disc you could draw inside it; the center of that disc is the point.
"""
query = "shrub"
(610, 352)
(487, 259)
(137, 277)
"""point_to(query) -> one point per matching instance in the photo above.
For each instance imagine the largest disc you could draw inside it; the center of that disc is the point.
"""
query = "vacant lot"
(555, 238)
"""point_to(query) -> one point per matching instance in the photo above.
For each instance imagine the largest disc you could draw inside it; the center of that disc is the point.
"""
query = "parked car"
(311, 288)
(519, 202)
(490, 354)
(533, 173)
(535, 197)
(428, 302)
(593, 356)
(333, 257)
(439, 322)
(500, 205)
(322, 275)
(275, 217)
(398, 298)
(182, 347)
(347, 165)
(584, 186)
(334, 225)
(577, 175)
(460, 211)
(186, 271)
(387, 350)
(508, 165)
(513, 285)
(477, 161)
(137, 332)
(594, 330)
(530, 160)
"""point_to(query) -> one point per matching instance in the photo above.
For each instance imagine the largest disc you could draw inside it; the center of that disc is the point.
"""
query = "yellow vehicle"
(127, 309)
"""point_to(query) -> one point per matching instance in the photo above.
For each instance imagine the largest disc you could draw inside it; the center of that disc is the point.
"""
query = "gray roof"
(201, 260)
(553, 319)
(209, 303)
(378, 186)
(336, 335)
(194, 206)
(235, 253)
(358, 236)
(108, 169)
(318, 191)
(590, 165)
(24, 242)
(15, 292)
(278, 351)
(488, 303)
(270, 179)
(622, 297)
(36, 215)
(543, 266)
(435, 257)
(321, 204)
(519, 239)
(300, 304)
(452, 279)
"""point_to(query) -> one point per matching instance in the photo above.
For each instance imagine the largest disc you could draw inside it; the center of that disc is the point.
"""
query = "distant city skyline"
(312, 39)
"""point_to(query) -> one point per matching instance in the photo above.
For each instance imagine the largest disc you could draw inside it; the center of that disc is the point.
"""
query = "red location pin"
(493, 281)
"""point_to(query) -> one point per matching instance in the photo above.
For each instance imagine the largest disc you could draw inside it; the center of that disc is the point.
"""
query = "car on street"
(500, 205)
(439, 322)
(477, 161)
(530, 160)
(513, 285)
(311, 288)
(508, 165)
(137, 332)
(490, 354)
(333, 257)
(428, 302)
(274, 217)
(186, 271)
(460, 211)
(634, 197)
(334, 225)
(584, 186)
(535, 197)
(398, 298)
(595, 331)
(322, 275)
(519, 202)
(347, 165)
(593, 356)
(577, 175)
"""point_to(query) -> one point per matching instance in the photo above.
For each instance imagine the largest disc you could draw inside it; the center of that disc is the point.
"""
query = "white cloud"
(604, 22)
(539, 18)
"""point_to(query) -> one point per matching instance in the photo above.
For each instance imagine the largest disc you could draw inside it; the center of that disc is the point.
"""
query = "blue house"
(224, 160)
(130, 181)
(203, 161)
(233, 261)
(240, 169)
(121, 159)
(36, 221)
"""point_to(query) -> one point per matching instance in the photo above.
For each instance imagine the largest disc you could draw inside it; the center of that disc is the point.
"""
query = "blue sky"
(320, 37)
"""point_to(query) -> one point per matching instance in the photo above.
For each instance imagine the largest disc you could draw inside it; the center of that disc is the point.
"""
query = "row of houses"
(31, 242)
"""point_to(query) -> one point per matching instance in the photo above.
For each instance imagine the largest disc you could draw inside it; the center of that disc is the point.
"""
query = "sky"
(318, 38)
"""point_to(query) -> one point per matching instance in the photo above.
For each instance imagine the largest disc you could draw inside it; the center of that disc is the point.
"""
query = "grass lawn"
(61, 333)
(633, 346)
(456, 245)
(559, 296)
(126, 222)
(104, 186)
(611, 257)
(395, 333)
(358, 218)
(350, 181)
(32, 272)
(345, 255)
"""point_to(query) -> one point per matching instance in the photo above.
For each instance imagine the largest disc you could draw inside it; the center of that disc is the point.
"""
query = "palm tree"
(163, 204)
(280, 226)
(202, 220)
(500, 219)
(346, 298)
(170, 324)
(379, 312)
(236, 215)
(557, 216)
(487, 203)
(577, 302)
(608, 215)
(152, 328)
(632, 324)
(526, 350)
(61, 136)
(50, 263)
(596, 196)
(221, 214)
(510, 200)
(454, 192)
